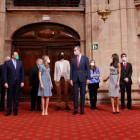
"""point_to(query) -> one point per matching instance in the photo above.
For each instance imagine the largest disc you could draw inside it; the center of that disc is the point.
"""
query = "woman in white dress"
(114, 80)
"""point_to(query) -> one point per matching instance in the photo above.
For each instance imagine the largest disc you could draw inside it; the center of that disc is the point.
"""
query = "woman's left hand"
(117, 85)
(51, 86)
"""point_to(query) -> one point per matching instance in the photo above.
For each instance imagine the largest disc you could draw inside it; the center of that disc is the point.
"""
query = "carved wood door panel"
(28, 56)
(34, 40)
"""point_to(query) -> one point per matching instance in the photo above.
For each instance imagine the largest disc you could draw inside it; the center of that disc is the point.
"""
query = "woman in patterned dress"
(114, 80)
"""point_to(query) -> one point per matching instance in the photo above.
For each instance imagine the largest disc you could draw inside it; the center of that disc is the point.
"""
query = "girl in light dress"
(45, 85)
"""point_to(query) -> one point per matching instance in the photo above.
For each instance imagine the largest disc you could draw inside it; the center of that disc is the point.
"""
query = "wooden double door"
(29, 55)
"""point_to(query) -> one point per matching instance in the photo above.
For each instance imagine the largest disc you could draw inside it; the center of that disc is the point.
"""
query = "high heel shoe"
(113, 112)
(118, 111)
(42, 113)
(46, 113)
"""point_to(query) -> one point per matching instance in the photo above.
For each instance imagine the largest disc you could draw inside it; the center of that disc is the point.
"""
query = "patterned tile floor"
(62, 125)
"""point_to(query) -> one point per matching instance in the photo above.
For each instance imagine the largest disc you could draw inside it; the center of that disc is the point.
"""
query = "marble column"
(88, 31)
(2, 29)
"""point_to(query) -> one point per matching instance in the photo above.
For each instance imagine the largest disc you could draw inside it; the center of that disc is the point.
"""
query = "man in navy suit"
(79, 76)
(3, 89)
(13, 80)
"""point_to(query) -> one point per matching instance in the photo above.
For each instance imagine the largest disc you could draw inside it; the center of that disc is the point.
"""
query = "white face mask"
(75, 53)
(48, 60)
(124, 58)
(92, 64)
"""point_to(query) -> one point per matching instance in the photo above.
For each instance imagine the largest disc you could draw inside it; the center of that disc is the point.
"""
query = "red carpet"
(62, 125)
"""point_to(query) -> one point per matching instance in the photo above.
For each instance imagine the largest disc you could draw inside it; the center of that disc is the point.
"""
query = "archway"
(34, 40)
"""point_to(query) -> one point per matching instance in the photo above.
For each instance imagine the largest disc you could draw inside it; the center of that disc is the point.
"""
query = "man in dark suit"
(125, 81)
(2, 84)
(79, 76)
(13, 77)
(34, 84)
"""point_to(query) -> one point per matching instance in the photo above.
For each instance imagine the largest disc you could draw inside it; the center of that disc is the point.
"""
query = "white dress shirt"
(126, 65)
(61, 68)
(14, 63)
(80, 58)
(124, 62)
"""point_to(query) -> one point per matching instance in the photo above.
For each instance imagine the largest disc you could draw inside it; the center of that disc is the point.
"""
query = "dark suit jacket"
(10, 73)
(1, 74)
(33, 76)
(126, 73)
(83, 72)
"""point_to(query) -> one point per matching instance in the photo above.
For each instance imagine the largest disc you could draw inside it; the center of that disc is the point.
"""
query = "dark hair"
(115, 60)
(12, 53)
(123, 54)
(60, 56)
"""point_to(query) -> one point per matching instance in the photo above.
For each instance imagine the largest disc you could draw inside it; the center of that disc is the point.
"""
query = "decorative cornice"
(61, 9)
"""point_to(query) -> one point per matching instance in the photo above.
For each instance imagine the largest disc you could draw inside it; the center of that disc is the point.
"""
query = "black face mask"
(62, 57)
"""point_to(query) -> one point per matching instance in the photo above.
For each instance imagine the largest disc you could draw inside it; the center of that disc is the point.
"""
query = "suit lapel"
(82, 58)
(127, 66)
(12, 64)
(17, 64)
(37, 68)
(75, 60)
(59, 66)
(123, 67)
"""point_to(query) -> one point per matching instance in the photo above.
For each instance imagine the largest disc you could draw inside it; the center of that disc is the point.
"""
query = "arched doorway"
(34, 40)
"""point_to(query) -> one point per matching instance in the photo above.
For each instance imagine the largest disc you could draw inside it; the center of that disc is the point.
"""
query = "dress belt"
(113, 74)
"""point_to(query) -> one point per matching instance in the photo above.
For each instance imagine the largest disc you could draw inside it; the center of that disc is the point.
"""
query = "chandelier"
(104, 13)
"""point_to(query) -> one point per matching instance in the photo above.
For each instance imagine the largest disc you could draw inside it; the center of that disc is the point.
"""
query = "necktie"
(78, 61)
(125, 66)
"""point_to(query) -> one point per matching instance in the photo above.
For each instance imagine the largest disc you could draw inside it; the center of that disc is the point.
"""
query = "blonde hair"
(45, 62)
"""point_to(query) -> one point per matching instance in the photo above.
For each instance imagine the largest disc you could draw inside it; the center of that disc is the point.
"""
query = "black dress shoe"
(130, 108)
(122, 108)
(1, 110)
(32, 110)
(7, 114)
(95, 107)
(92, 107)
(82, 113)
(67, 108)
(15, 113)
(74, 113)
(57, 108)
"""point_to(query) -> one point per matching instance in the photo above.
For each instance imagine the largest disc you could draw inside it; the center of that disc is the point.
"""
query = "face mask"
(124, 58)
(48, 60)
(75, 53)
(92, 64)
(17, 57)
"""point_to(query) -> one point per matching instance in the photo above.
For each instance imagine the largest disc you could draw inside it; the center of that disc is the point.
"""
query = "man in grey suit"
(79, 76)
(61, 78)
